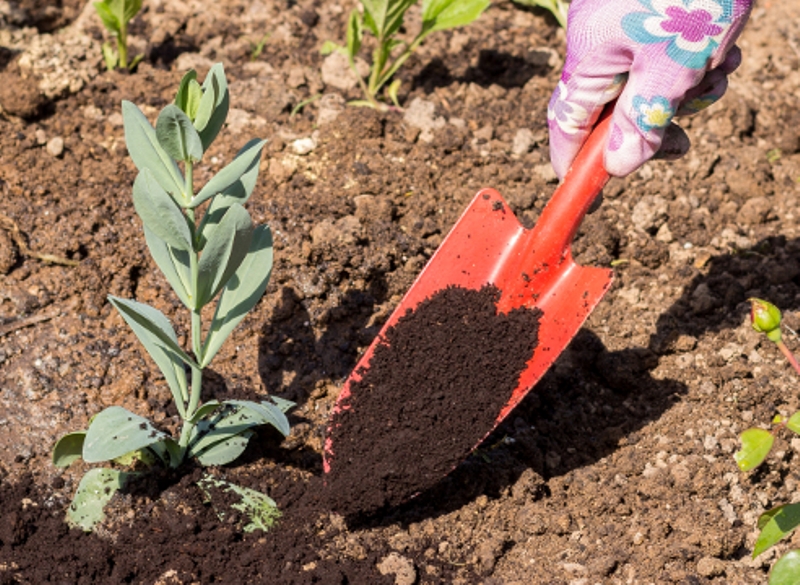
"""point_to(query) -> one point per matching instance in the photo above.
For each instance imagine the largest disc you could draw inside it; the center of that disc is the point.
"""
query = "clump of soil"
(432, 391)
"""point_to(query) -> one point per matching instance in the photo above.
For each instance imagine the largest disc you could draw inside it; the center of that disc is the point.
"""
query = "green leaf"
(96, 489)
(223, 437)
(68, 449)
(241, 292)
(156, 334)
(213, 108)
(226, 450)
(794, 422)
(394, 17)
(168, 451)
(183, 97)
(445, 14)
(117, 431)
(159, 212)
(787, 570)
(177, 135)
(355, 33)
(110, 56)
(375, 12)
(774, 525)
(205, 410)
(223, 253)
(259, 509)
(329, 47)
(245, 164)
(268, 412)
(283, 404)
(174, 263)
(756, 444)
(147, 153)
(237, 192)
(392, 91)
(132, 8)
(110, 21)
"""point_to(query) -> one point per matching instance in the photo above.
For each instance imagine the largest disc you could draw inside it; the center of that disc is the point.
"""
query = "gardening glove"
(659, 58)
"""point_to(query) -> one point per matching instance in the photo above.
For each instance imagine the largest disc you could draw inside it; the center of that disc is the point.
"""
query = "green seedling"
(775, 524)
(116, 15)
(558, 8)
(384, 19)
(219, 258)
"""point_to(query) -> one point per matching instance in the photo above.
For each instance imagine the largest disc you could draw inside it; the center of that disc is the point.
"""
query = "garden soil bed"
(617, 469)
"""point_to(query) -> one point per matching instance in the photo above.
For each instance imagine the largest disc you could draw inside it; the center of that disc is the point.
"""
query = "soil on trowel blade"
(433, 389)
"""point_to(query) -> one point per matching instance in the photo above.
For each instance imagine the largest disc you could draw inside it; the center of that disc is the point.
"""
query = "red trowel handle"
(561, 217)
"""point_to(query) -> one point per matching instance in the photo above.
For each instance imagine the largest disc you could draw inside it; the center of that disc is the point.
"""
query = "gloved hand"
(659, 57)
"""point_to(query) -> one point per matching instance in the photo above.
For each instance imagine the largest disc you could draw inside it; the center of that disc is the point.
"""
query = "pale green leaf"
(68, 449)
(160, 213)
(174, 263)
(375, 12)
(117, 431)
(205, 410)
(110, 21)
(329, 47)
(147, 153)
(223, 253)
(95, 490)
(756, 444)
(132, 8)
(156, 334)
(225, 451)
(355, 33)
(184, 98)
(776, 524)
(269, 413)
(445, 14)
(213, 108)
(787, 570)
(110, 57)
(244, 164)
(177, 135)
(241, 293)
(260, 510)
(168, 451)
(794, 422)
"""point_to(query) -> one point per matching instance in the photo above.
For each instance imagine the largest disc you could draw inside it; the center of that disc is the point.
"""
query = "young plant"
(384, 18)
(116, 14)
(779, 522)
(221, 256)
(558, 8)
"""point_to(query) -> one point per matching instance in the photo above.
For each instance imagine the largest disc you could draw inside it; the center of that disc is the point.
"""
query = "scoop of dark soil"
(434, 388)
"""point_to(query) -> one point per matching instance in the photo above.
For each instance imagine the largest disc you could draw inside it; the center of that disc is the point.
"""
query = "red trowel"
(531, 268)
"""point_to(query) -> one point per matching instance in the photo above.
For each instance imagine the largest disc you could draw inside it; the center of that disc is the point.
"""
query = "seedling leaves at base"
(117, 431)
(259, 510)
(96, 489)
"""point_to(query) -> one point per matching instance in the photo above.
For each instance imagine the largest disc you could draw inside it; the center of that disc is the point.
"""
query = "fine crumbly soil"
(618, 468)
(421, 404)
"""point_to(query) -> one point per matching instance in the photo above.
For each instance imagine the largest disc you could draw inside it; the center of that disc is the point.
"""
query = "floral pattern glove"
(658, 57)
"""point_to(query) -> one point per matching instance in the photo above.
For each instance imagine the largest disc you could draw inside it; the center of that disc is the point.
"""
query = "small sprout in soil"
(384, 19)
(775, 524)
(116, 15)
(558, 8)
(219, 256)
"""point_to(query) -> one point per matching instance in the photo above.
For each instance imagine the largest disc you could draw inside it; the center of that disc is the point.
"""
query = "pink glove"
(660, 57)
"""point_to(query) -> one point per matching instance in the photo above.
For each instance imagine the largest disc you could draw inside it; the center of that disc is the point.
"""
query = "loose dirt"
(431, 392)
(617, 469)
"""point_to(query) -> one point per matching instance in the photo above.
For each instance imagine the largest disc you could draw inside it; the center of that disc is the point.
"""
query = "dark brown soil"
(617, 469)
(432, 391)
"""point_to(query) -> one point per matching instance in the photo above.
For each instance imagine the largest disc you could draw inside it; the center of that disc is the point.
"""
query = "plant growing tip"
(558, 8)
(222, 257)
(765, 318)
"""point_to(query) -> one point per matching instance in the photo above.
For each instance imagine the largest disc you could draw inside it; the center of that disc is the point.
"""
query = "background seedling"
(384, 19)
(116, 15)
(558, 8)
(779, 522)
(220, 256)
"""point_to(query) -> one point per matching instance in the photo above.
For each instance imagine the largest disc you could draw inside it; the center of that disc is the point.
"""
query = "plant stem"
(788, 355)
(122, 45)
